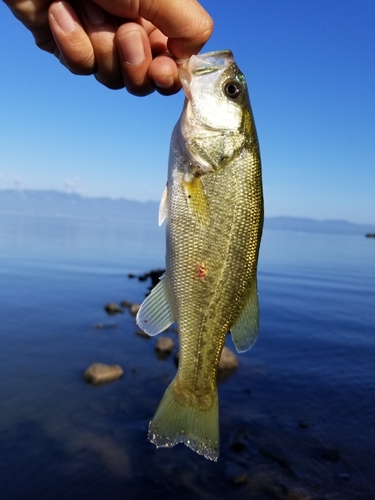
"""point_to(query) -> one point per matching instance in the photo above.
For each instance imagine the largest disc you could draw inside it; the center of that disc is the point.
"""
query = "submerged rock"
(143, 334)
(228, 360)
(164, 347)
(134, 308)
(100, 373)
(164, 344)
(125, 303)
(113, 308)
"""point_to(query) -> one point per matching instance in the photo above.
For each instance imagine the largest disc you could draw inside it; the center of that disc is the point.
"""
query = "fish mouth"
(202, 64)
(207, 62)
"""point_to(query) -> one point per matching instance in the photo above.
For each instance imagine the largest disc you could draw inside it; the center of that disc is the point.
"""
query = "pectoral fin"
(155, 314)
(197, 200)
(245, 329)
(163, 207)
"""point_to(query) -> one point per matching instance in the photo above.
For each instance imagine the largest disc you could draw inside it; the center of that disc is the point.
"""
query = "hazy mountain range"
(60, 204)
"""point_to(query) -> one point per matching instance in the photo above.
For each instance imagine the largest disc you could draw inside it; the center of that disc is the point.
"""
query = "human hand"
(122, 42)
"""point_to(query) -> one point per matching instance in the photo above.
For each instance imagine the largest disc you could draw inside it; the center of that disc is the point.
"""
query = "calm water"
(302, 400)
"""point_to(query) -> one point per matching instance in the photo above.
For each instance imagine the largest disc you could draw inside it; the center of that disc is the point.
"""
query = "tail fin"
(175, 423)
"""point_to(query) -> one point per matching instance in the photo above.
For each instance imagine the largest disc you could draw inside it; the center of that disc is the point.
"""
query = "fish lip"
(207, 55)
(200, 64)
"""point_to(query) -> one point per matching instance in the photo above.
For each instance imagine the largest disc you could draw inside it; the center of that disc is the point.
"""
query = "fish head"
(213, 120)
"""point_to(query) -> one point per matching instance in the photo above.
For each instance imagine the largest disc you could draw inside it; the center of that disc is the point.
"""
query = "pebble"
(100, 373)
(125, 303)
(134, 308)
(143, 334)
(112, 308)
(164, 344)
(228, 360)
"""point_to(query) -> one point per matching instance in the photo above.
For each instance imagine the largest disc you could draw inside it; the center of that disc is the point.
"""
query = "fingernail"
(63, 17)
(165, 83)
(131, 45)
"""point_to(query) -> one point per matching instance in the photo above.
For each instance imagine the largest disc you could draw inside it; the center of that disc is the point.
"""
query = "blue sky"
(310, 66)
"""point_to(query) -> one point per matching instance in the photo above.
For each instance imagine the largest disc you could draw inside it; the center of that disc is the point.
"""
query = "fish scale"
(213, 204)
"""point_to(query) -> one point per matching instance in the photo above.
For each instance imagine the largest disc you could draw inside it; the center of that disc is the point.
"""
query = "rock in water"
(228, 360)
(125, 303)
(164, 347)
(99, 373)
(134, 308)
(164, 344)
(112, 308)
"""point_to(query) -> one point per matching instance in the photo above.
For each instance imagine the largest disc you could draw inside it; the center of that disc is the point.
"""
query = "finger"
(101, 30)
(75, 48)
(135, 58)
(163, 72)
(187, 25)
(34, 16)
(163, 69)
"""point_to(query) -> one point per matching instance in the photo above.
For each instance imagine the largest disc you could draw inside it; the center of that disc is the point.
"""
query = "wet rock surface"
(100, 373)
(164, 344)
(134, 308)
(125, 304)
(228, 360)
(112, 308)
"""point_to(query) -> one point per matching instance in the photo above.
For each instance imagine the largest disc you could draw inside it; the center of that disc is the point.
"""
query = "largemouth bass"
(213, 204)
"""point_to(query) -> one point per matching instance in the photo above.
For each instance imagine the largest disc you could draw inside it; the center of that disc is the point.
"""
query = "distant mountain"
(304, 225)
(60, 204)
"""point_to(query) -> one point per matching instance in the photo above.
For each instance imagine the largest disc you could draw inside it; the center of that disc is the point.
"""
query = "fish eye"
(232, 89)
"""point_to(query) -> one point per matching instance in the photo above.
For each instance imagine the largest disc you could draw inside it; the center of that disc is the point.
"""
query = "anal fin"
(245, 329)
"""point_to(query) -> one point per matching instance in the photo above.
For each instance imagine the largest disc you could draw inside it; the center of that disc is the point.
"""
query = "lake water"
(297, 418)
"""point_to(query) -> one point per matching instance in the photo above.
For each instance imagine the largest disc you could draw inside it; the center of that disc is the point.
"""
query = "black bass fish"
(213, 204)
